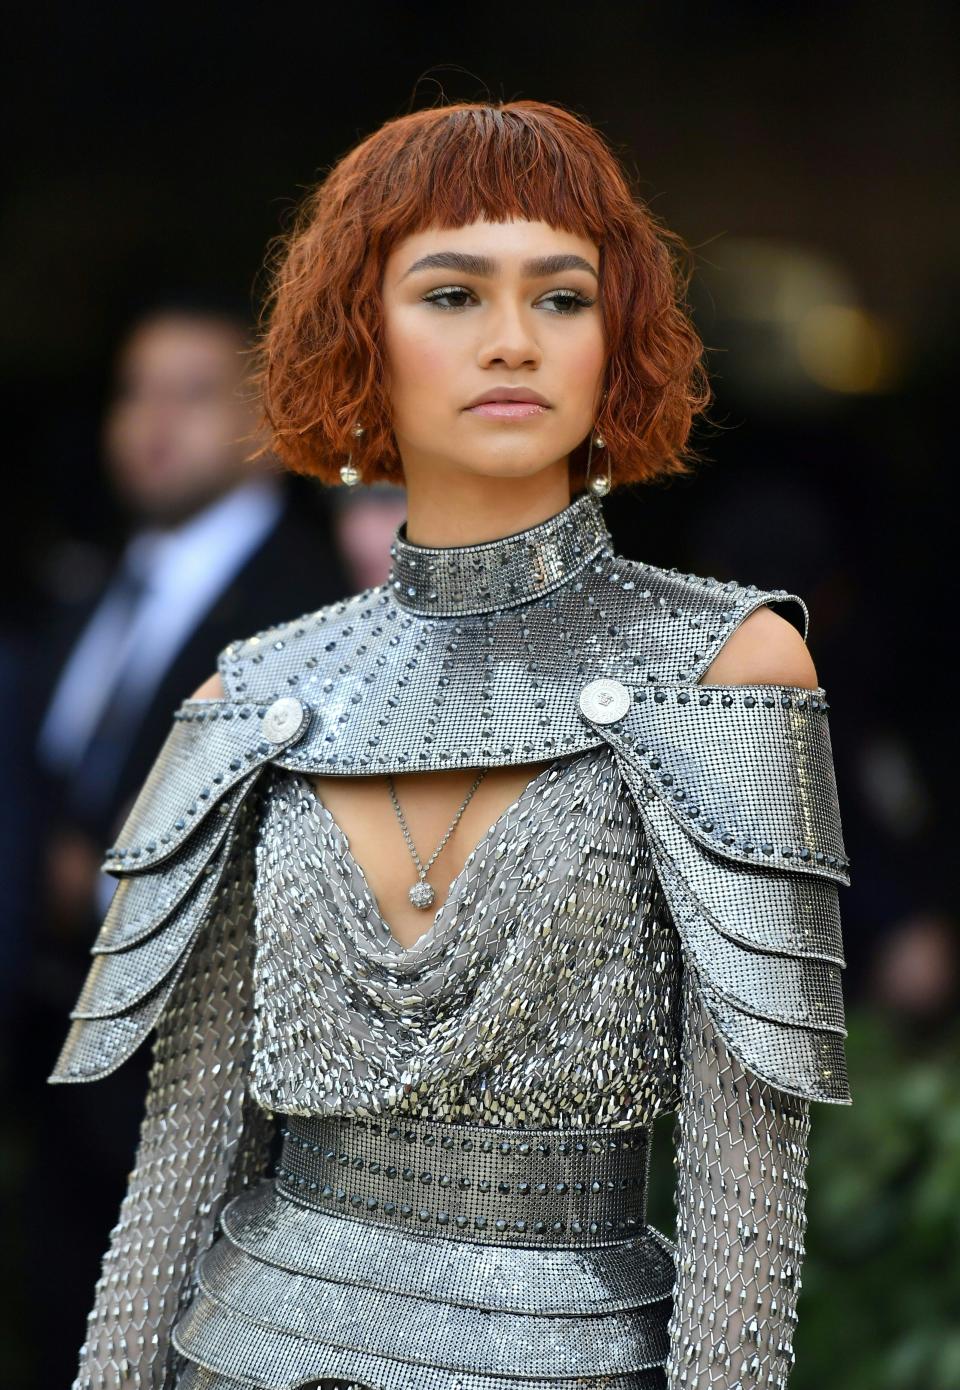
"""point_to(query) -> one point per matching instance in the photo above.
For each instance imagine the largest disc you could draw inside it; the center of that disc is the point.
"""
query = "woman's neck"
(467, 510)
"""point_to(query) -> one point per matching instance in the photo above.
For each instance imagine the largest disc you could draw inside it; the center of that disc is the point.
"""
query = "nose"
(509, 339)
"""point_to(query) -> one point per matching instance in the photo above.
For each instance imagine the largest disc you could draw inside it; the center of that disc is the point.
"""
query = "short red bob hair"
(319, 364)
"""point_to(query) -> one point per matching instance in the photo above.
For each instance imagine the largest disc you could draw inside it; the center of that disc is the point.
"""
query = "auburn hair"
(319, 363)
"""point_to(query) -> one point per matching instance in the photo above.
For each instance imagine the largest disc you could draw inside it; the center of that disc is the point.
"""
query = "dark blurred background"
(807, 155)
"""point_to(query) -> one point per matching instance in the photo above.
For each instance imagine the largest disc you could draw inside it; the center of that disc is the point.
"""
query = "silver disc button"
(284, 719)
(604, 701)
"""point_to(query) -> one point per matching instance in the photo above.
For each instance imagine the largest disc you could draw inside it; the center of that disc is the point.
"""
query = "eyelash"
(575, 300)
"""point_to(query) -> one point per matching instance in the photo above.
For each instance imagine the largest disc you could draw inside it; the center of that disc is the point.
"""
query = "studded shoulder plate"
(388, 684)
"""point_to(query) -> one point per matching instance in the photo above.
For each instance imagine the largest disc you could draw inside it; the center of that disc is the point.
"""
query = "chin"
(506, 468)
(508, 460)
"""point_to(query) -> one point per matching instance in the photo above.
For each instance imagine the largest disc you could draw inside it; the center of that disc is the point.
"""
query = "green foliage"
(881, 1281)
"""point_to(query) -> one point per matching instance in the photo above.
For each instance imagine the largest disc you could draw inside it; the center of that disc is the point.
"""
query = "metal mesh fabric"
(202, 1141)
(651, 927)
(544, 991)
(430, 1378)
(314, 1274)
(741, 1155)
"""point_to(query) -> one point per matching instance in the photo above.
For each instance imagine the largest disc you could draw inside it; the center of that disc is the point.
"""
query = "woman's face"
(475, 309)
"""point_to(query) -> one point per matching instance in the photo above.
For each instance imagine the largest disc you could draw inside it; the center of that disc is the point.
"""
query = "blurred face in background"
(181, 418)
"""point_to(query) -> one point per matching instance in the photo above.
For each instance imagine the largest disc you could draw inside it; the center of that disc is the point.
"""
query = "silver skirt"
(399, 1254)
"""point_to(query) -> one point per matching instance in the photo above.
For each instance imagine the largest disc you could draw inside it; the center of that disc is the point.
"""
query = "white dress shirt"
(185, 570)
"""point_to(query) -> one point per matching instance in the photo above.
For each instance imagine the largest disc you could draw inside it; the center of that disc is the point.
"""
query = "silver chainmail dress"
(458, 1201)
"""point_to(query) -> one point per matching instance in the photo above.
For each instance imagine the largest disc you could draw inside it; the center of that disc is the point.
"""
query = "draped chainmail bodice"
(544, 992)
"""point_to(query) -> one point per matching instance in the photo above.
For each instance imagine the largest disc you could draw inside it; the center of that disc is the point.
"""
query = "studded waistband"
(523, 1187)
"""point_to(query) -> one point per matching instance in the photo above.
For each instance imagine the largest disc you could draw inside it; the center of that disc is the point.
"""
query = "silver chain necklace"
(422, 893)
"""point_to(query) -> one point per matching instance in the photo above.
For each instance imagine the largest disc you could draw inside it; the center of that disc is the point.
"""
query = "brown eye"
(569, 302)
(451, 291)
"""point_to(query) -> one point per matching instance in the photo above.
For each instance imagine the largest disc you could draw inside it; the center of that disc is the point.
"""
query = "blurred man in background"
(216, 549)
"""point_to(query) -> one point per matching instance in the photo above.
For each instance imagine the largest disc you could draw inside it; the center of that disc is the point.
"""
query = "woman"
(454, 886)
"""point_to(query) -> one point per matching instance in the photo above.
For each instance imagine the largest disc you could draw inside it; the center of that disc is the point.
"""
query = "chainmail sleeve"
(202, 1140)
(736, 790)
(175, 957)
(740, 1159)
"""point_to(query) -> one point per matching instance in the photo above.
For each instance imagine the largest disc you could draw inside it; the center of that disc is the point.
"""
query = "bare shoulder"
(764, 650)
(212, 689)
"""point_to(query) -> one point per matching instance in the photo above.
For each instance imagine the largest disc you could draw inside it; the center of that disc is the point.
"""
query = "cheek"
(585, 364)
(126, 428)
(208, 427)
(419, 363)
(587, 356)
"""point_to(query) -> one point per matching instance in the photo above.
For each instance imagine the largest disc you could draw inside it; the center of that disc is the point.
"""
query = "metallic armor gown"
(459, 1196)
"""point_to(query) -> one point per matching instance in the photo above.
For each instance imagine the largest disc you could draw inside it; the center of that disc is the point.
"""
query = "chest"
(565, 863)
(417, 829)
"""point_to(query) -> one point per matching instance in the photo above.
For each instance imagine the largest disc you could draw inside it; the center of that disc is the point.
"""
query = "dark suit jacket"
(295, 570)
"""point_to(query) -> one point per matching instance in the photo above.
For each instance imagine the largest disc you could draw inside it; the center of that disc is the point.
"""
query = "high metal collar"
(445, 581)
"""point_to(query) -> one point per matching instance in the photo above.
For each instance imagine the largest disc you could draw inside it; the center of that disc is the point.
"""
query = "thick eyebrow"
(538, 267)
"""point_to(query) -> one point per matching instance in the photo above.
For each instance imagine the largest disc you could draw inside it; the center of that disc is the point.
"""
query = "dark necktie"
(94, 778)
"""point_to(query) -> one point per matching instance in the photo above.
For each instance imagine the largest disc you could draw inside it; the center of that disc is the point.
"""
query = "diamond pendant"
(421, 894)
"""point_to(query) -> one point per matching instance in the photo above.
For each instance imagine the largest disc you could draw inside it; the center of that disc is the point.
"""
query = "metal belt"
(519, 1186)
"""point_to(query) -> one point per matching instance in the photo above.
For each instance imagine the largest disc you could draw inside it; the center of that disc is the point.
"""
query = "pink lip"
(507, 410)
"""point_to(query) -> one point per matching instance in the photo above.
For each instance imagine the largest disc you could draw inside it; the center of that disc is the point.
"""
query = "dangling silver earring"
(349, 475)
(600, 485)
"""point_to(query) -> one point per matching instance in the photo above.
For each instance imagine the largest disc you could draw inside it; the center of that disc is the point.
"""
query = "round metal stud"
(284, 719)
(604, 700)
